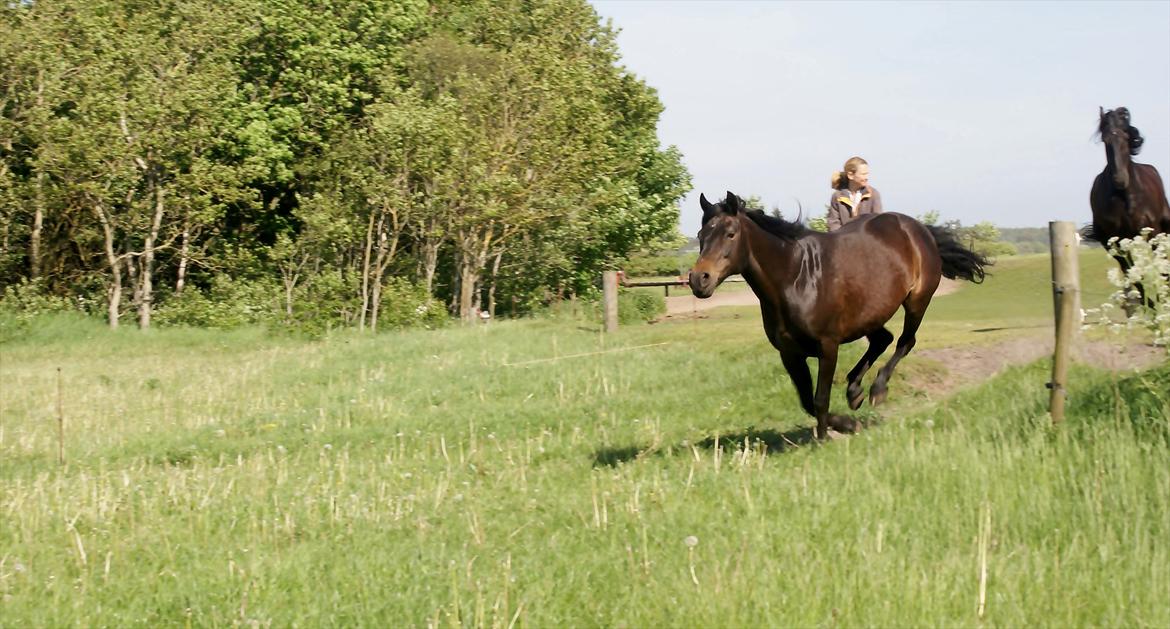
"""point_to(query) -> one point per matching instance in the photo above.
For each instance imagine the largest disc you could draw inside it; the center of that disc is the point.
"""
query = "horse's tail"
(1088, 233)
(958, 262)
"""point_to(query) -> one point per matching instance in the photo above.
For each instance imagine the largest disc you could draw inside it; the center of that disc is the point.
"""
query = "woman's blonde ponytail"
(841, 177)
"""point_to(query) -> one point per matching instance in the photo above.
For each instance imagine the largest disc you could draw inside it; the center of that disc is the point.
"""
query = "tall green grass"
(526, 474)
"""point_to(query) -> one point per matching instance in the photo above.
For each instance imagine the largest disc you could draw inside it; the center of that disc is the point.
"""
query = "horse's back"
(891, 230)
(878, 262)
(1151, 184)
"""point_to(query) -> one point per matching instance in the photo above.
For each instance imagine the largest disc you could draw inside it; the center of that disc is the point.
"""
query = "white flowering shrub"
(1149, 258)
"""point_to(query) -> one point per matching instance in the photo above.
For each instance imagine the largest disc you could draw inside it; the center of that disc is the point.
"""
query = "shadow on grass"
(774, 442)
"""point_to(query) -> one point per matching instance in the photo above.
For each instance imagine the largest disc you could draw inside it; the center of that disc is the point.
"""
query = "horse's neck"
(769, 263)
(1118, 162)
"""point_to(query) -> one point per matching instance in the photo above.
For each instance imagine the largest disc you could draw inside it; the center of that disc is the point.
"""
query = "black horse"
(1127, 197)
(818, 291)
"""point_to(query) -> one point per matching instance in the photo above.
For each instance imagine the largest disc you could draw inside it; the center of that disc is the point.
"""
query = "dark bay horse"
(1127, 196)
(818, 291)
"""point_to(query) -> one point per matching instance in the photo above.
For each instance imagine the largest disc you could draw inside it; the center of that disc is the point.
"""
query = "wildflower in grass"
(1149, 259)
(691, 541)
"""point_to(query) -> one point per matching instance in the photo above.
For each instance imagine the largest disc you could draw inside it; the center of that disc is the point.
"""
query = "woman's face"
(860, 177)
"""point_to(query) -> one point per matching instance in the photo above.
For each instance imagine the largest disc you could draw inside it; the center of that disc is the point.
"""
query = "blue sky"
(981, 111)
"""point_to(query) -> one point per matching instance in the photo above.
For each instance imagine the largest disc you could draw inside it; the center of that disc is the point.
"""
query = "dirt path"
(966, 366)
(960, 366)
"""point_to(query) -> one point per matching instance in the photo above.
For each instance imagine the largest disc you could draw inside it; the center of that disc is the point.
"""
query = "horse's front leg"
(827, 366)
(796, 364)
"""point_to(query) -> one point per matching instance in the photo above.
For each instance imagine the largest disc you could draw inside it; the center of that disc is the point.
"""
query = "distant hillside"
(1025, 239)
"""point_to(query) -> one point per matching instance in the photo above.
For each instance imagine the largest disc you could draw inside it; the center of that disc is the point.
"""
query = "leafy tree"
(322, 158)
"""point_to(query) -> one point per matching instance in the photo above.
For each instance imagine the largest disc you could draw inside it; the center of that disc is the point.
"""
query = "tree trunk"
(184, 253)
(146, 296)
(131, 262)
(289, 285)
(473, 260)
(492, 286)
(290, 275)
(468, 279)
(387, 249)
(365, 289)
(430, 251)
(115, 290)
(456, 288)
(379, 268)
(433, 234)
(34, 241)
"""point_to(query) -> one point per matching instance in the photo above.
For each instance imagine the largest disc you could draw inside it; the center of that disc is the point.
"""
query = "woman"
(852, 194)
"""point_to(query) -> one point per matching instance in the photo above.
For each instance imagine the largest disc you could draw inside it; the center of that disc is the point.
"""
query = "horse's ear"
(1100, 111)
(732, 203)
(708, 209)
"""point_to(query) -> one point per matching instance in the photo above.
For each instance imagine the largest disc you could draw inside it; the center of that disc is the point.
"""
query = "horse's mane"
(1122, 115)
(786, 230)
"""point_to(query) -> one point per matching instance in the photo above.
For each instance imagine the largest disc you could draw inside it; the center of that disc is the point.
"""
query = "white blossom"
(1148, 257)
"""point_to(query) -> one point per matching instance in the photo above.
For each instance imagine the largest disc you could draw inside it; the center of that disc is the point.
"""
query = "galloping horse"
(1127, 197)
(818, 291)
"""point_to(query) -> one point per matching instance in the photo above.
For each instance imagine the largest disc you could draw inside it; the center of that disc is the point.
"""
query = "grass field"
(437, 478)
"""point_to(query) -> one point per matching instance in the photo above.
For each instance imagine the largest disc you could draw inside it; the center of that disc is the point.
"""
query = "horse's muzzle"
(702, 284)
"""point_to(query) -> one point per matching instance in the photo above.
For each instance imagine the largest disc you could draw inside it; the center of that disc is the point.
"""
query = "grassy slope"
(414, 478)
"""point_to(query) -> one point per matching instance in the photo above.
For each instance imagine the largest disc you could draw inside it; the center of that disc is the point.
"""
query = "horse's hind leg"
(879, 340)
(915, 310)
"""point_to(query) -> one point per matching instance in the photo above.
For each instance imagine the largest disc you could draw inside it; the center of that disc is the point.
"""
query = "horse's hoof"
(877, 396)
(840, 423)
(856, 396)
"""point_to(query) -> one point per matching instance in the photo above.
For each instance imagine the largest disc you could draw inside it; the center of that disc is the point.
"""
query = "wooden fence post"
(609, 288)
(1066, 298)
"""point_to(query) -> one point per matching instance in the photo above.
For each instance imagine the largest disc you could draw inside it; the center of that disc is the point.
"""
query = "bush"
(406, 304)
(996, 249)
(227, 304)
(321, 302)
(22, 303)
(639, 306)
(670, 265)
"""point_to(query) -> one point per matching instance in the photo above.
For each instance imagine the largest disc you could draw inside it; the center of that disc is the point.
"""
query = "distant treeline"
(1026, 239)
(316, 163)
(984, 237)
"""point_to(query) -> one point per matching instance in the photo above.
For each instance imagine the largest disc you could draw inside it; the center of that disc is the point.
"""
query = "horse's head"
(722, 248)
(1122, 138)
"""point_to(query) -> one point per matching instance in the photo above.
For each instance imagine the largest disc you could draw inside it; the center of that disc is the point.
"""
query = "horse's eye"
(731, 235)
